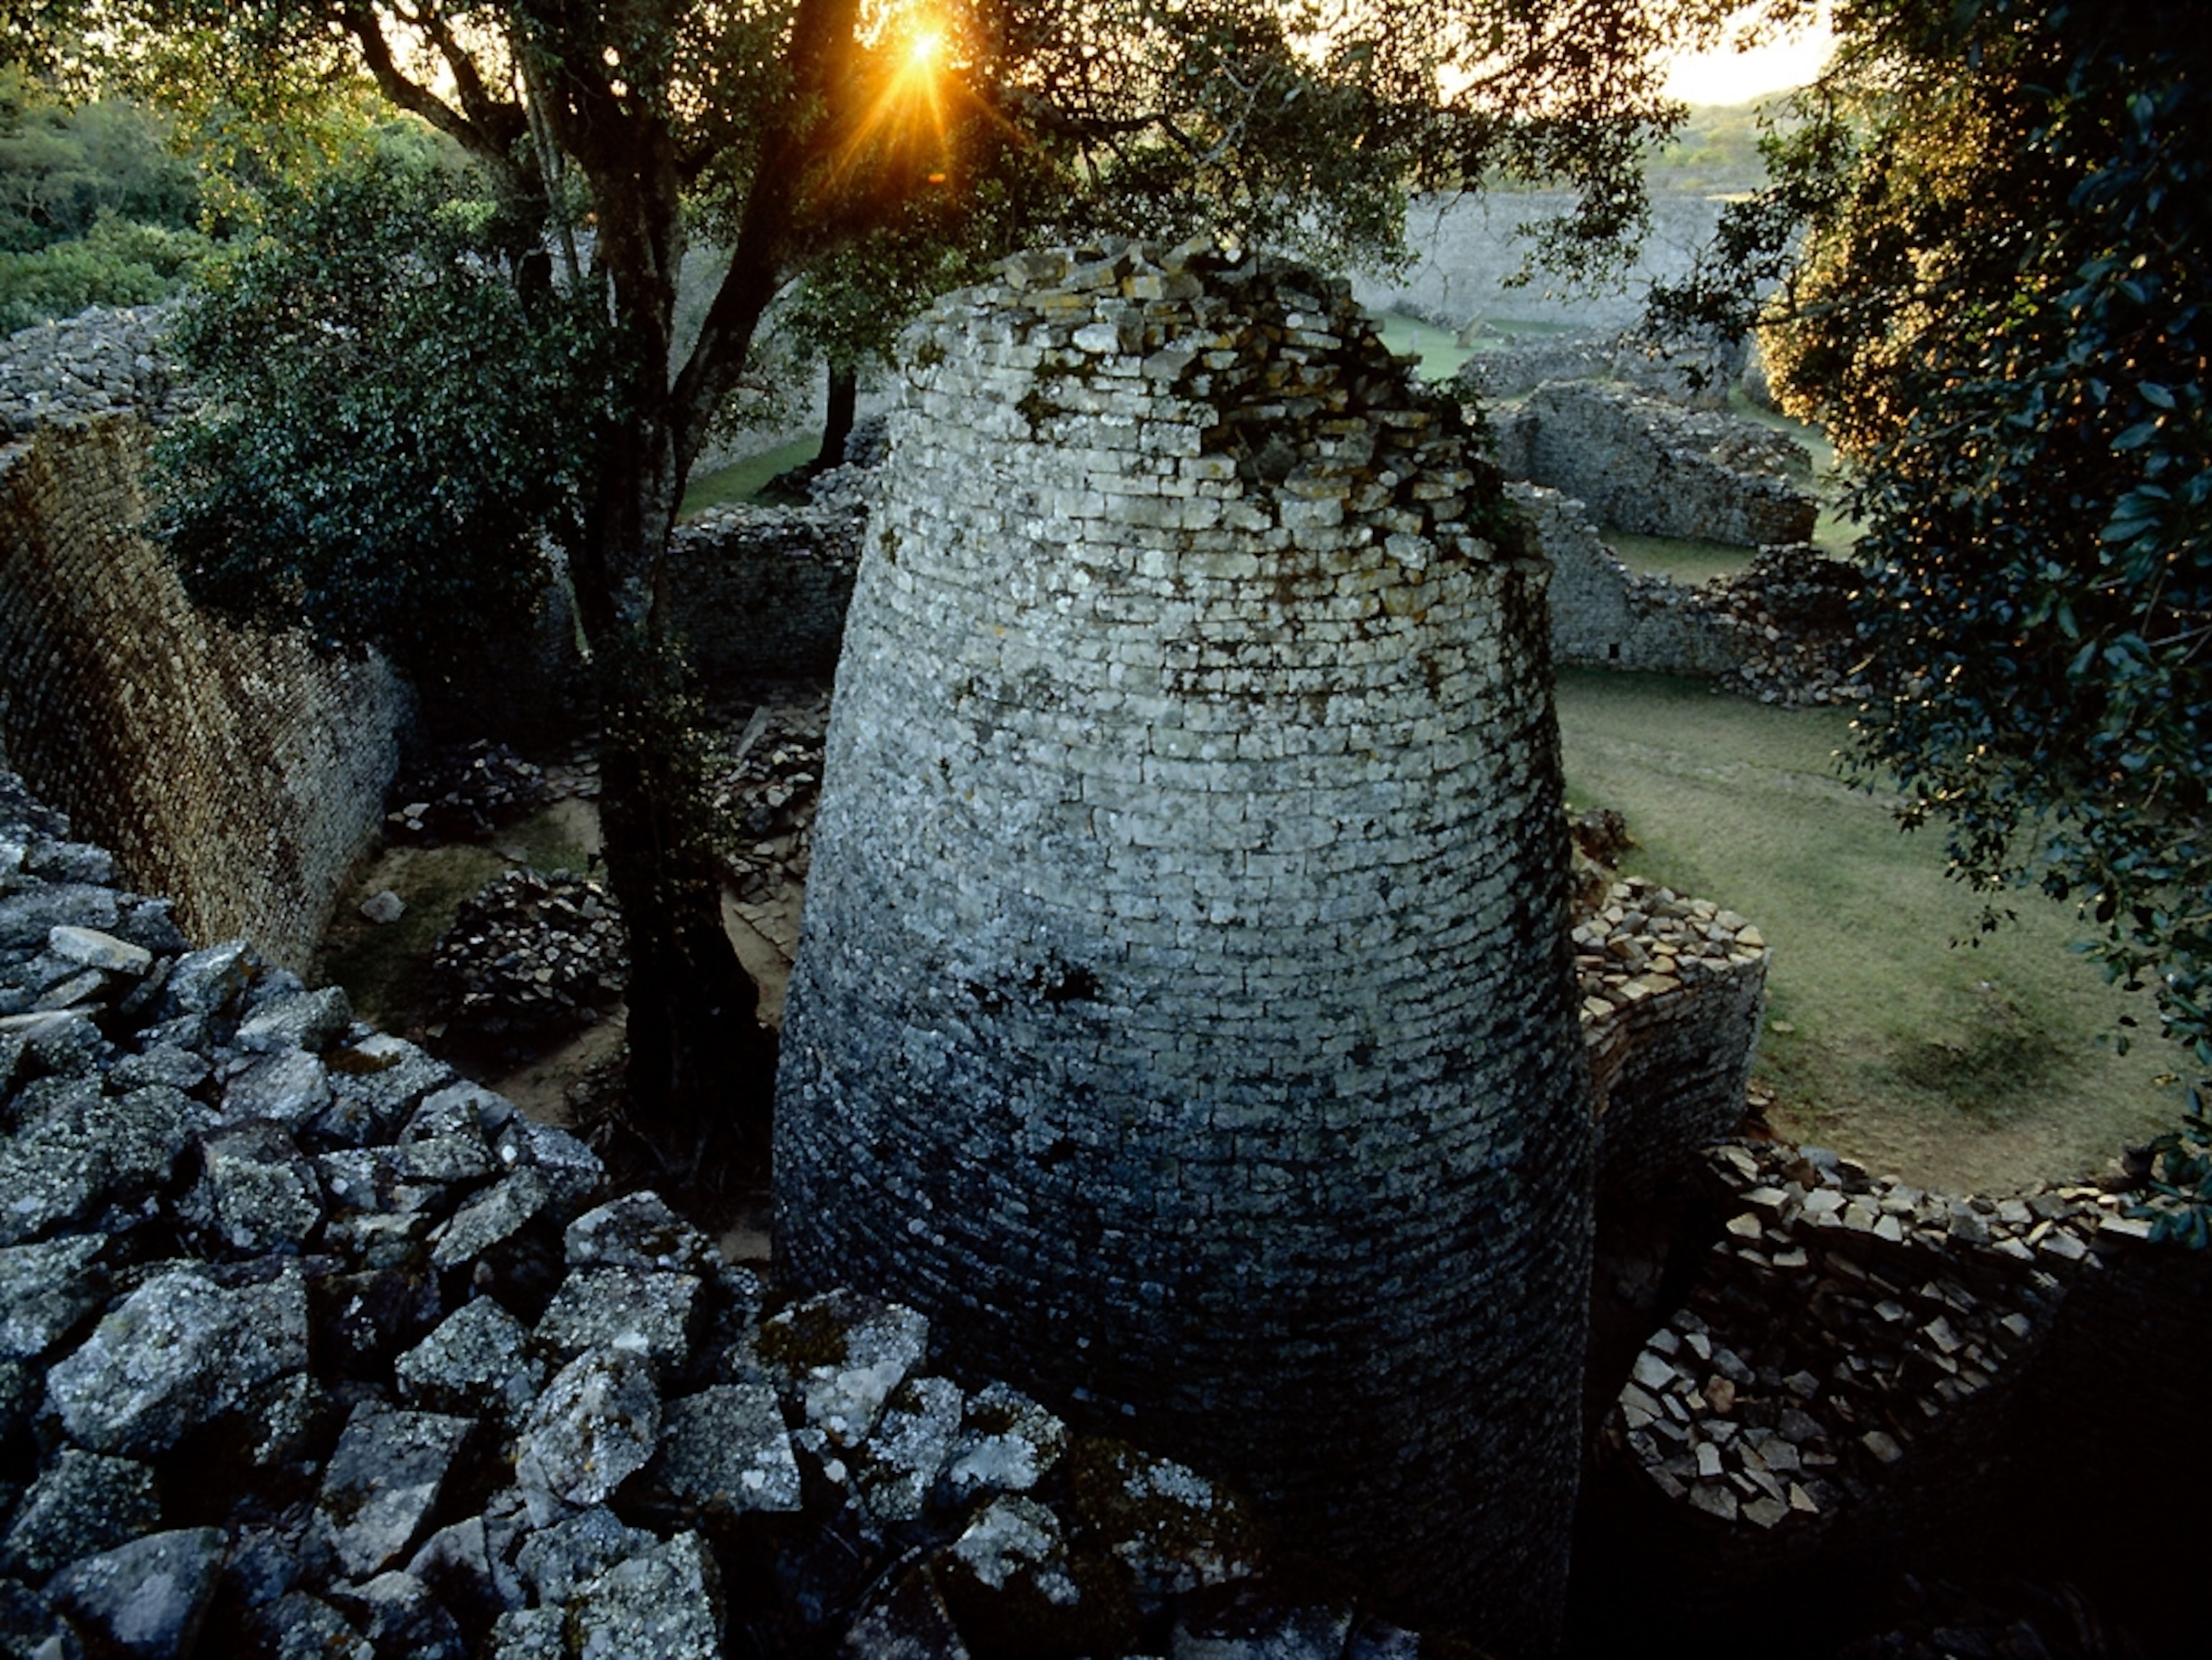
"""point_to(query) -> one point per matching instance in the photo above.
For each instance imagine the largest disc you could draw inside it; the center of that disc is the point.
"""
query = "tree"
(93, 209)
(793, 130)
(2002, 311)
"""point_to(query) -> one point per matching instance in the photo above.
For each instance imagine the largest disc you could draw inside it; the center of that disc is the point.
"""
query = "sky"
(1733, 77)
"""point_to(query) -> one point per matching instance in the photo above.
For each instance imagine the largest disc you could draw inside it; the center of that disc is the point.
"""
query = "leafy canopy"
(386, 413)
(2000, 312)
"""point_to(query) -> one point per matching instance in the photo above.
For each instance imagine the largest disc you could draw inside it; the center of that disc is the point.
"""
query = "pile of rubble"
(466, 793)
(1645, 939)
(101, 362)
(532, 955)
(768, 782)
(1793, 605)
(307, 1347)
(1843, 1325)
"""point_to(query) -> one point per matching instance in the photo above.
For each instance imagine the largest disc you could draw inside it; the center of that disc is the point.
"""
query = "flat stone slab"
(382, 1482)
(83, 1503)
(45, 1290)
(596, 1424)
(147, 1599)
(665, 1601)
(726, 1449)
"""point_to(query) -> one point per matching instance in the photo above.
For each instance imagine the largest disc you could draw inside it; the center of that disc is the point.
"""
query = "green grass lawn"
(1688, 561)
(1983, 1066)
(741, 481)
(1441, 351)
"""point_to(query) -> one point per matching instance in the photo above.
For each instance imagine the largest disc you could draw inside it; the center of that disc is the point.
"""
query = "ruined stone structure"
(1700, 375)
(762, 591)
(1606, 615)
(309, 1346)
(1472, 254)
(1674, 990)
(1644, 464)
(235, 770)
(1181, 1017)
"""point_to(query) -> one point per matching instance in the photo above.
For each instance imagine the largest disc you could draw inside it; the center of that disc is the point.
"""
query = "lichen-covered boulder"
(178, 1351)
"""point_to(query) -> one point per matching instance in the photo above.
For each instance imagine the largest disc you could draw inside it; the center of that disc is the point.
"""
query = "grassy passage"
(382, 966)
(741, 481)
(1687, 561)
(1969, 1066)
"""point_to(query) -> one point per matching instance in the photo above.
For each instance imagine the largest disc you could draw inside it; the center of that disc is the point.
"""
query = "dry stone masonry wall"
(235, 770)
(98, 362)
(1866, 1375)
(1182, 1015)
(1674, 990)
(1644, 464)
(762, 591)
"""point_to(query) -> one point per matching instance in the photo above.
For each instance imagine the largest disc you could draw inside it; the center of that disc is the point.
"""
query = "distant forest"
(98, 209)
(95, 207)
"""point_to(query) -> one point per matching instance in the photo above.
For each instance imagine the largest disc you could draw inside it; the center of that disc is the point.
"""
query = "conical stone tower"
(1182, 1017)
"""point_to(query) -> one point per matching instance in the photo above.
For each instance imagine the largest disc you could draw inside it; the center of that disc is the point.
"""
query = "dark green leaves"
(388, 427)
(1999, 313)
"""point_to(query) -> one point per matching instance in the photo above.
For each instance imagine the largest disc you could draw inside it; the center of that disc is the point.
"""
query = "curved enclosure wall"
(1182, 1015)
(235, 770)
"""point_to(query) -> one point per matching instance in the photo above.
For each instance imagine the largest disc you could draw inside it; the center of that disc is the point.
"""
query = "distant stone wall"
(1642, 464)
(762, 591)
(1700, 376)
(237, 772)
(1607, 616)
(101, 362)
(1182, 1013)
(1468, 249)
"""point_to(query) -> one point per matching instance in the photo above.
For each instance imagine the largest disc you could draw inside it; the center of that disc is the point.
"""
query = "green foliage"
(63, 170)
(2001, 314)
(389, 424)
(1717, 149)
(94, 209)
(116, 264)
(2181, 1182)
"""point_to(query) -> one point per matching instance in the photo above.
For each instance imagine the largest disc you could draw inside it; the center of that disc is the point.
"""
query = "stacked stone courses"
(1642, 464)
(234, 769)
(1182, 1015)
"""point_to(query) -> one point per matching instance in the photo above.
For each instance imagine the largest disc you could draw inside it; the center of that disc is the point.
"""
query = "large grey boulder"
(146, 1599)
(177, 1352)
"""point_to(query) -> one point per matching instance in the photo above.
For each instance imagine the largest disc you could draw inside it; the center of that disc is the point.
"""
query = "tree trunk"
(838, 423)
(701, 1072)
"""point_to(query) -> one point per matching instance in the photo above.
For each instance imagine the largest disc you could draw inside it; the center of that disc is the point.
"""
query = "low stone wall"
(101, 362)
(1642, 464)
(1606, 615)
(235, 770)
(1865, 1373)
(307, 1346)
(762, 591)
(1673, 991)
(1701, 376)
